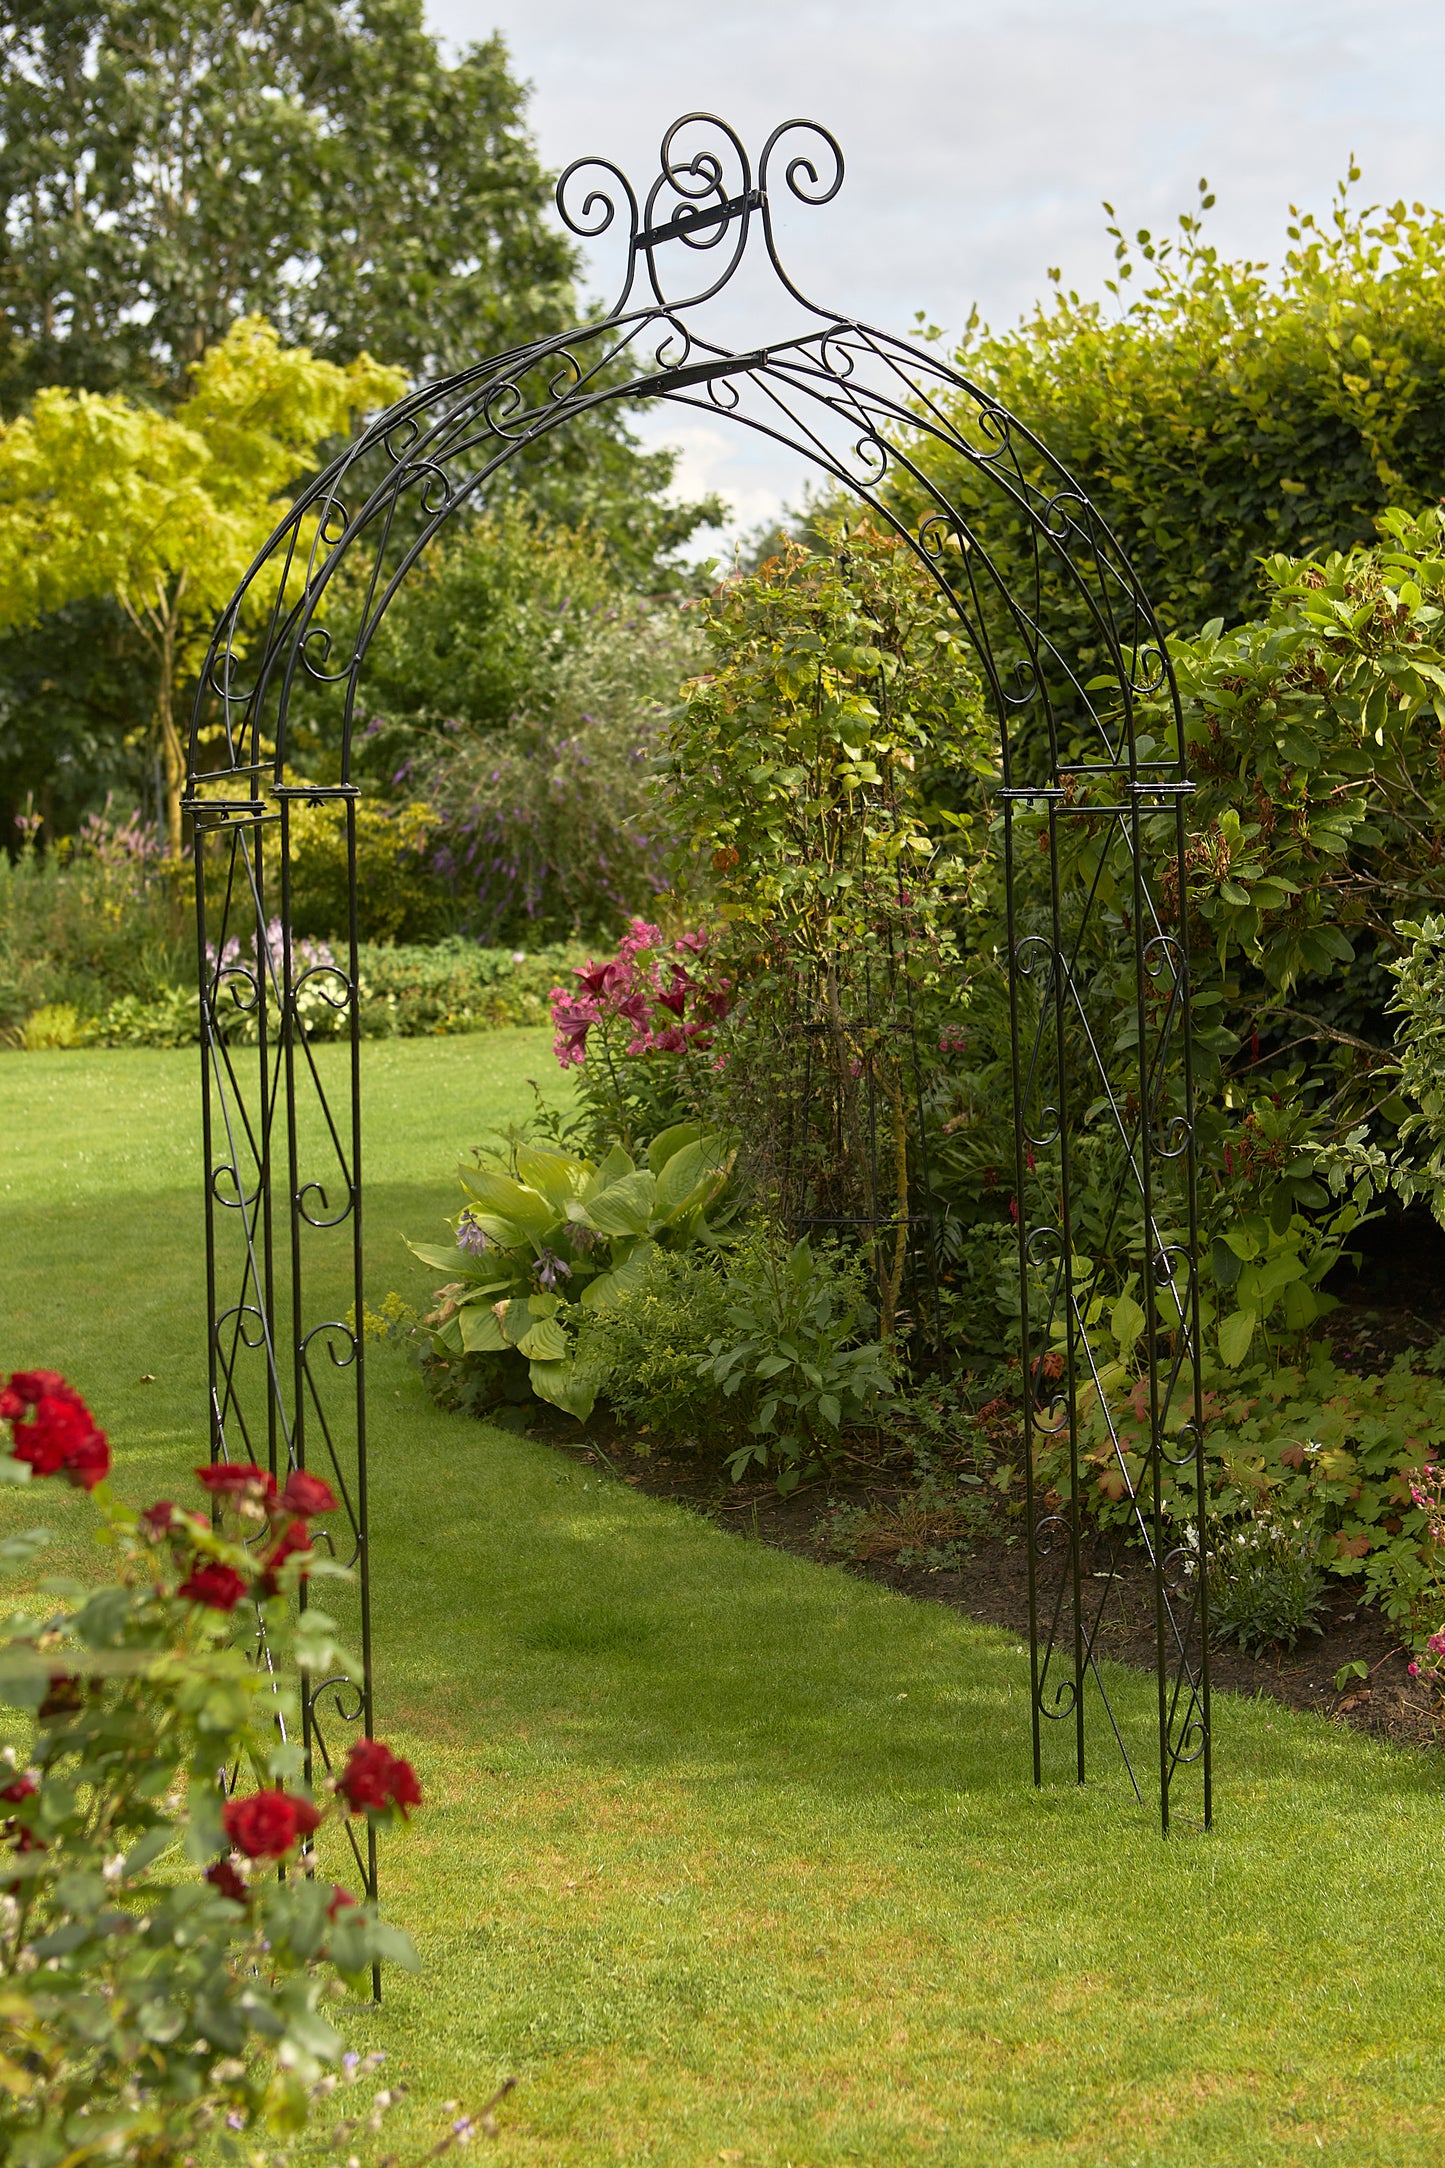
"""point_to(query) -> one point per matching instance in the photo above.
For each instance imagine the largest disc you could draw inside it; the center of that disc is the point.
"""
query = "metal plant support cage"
(882, 418)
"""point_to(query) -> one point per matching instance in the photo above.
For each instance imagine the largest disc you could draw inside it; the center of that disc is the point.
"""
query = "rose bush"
(158, 1981)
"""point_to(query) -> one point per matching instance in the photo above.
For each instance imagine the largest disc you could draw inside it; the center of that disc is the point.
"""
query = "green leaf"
(565, 1387)
(544, 1341)
(1127, 1321)
(691, 1177)
(523, 1208)
(625, 1207)
(554, 1175)
(1235, 1335)
(452, 1261)
(613, 1168)
(601, 1293)
(481, 1329)
(669, 1142)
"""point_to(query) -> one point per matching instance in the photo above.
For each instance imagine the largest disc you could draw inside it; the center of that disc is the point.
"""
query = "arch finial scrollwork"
(703, 198)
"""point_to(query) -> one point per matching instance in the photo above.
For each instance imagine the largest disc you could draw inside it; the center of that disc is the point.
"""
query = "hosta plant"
(544, 1235)
(160, 1984)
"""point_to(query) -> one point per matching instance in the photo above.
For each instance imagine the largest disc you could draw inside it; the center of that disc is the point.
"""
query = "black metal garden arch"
(884, 419)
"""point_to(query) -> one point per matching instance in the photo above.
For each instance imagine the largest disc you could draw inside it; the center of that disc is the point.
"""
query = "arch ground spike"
(883, 419)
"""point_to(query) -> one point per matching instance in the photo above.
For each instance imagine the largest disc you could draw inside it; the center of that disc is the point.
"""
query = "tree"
(100, 496)
(168, 167)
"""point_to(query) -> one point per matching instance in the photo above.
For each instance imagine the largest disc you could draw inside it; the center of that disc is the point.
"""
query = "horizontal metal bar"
(228, 809)
(688, 220)
(701, 372)
(314, 793)
(1050, 794)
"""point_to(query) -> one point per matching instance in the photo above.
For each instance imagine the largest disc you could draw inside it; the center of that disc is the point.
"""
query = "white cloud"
(980, 138)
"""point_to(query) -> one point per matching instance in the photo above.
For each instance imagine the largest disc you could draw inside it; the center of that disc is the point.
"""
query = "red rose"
(22, 1788)
(237, 1479)
(296, 1538)
(307, 1493)
(11, 1404)
(61, 1431)
(28, 1386)
(223, 1877)
(267, 1824)
(374, 1778)
(160, 1518)
(88, 1463)
(341, 1900)
(63, 1696)
(219, 1587)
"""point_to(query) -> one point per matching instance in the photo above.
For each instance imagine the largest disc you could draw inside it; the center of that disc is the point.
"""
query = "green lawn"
(726, 1856)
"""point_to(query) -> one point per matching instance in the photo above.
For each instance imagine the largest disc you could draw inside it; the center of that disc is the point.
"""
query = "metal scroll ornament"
(1070, 655)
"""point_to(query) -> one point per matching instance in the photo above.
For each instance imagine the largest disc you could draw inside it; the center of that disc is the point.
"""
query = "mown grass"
(731, 1857)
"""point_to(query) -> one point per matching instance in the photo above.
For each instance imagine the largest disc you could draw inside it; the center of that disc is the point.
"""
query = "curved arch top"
(894, 423)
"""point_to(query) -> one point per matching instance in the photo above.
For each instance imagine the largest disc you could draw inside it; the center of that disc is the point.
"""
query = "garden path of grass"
(727, 1856)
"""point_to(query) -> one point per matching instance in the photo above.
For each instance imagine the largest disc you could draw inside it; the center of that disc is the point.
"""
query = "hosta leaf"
(522, 1207)
(481, 1330)
(544, 1341)
(669, 1142)
(624, 1207)
(565, 1387)
(554, 1175)
(691, 1176)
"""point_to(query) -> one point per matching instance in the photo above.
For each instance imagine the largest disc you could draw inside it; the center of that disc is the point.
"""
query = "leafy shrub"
(1266, 1586)
(1420, 998)
(92, 919)
(399, 896)
(549, 827)
(157, 1982)
(1231, 409)
(1303, 1446)
(645, 1350)
(457, 986)
(58, 1024)
(793, 1364)
(545, 1235)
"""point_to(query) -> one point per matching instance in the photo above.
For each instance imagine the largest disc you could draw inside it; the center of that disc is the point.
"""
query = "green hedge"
(407, 992)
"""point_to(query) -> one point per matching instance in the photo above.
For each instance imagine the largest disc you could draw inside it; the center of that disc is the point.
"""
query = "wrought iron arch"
(1077, 694)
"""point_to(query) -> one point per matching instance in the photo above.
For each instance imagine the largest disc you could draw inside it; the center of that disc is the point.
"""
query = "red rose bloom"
(62, 1433)
(22, 1788)
(158, 1519)
(307, 1493)
(237, 1479)
(28, 1386)
(219, 1587)
(297, 1537)
(341, 1900)
(88, 1463)
(374, 1778)
(267, 1824)
(223, 1877)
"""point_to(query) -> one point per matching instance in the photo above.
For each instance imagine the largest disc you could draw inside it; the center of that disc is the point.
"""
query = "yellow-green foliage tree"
(101, 496)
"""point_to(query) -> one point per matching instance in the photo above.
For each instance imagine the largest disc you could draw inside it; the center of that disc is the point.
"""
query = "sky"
(980, 139)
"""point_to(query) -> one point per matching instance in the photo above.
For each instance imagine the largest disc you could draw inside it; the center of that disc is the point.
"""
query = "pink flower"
(1414, 1670)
